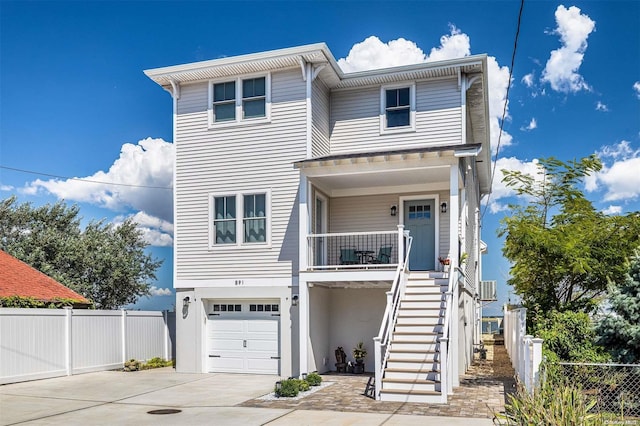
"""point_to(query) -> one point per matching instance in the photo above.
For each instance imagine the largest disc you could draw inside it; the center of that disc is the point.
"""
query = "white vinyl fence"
(42, 343)
(524, 350)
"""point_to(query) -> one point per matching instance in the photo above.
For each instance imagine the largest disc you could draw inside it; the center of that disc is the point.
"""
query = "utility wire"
(130, 185)
(504, 110)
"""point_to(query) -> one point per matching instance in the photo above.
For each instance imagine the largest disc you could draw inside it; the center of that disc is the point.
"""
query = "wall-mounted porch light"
(443, 208)
(185, 302)
(294, 300)
(394, 210)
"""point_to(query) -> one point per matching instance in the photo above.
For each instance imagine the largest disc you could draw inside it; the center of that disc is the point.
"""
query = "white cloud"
(533, 124)
(155, 231)
(601, 107)
(6, 187)
(499, 190)
(561, 70)
(372, 53)
(147, 164)
(527, 80)
(612, 210)
(636, 88)
(619, 177)
(155, 291)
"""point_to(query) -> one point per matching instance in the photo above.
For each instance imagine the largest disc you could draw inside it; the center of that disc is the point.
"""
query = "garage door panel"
(244, 342)
(225, 326)
(227, 365)
(262, 365)
(268, 346)
(226, 344)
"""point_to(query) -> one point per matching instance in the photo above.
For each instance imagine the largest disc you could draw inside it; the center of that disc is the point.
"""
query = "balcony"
(355, 251)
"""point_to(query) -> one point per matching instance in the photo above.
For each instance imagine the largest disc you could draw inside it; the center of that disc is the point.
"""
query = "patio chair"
(384, 256)
(348, 256)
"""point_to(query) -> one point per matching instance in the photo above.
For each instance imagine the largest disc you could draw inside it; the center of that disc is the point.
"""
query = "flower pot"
(358, 368)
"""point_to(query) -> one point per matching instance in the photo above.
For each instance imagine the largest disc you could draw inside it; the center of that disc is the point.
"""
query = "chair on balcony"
(348, 256)
(384, 256)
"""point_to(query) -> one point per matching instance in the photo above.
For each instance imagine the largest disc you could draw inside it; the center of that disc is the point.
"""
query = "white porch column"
(303, 259)
(454, 342)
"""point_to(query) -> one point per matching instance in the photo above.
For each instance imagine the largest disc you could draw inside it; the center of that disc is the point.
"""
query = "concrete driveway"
(118, 398)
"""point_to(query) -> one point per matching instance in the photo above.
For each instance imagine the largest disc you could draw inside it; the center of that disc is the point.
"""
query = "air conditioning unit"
(488, 291)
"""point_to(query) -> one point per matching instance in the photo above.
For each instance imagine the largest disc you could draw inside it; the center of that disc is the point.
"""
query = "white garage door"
(243, 337)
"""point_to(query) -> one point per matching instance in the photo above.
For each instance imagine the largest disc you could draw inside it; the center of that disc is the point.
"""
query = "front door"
(420, 221)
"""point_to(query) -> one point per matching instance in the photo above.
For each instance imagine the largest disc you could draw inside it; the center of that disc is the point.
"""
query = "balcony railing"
(355, 250)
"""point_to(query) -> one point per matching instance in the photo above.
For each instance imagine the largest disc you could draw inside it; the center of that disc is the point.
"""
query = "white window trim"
(240, 121)
(384, 130)
(240, 244)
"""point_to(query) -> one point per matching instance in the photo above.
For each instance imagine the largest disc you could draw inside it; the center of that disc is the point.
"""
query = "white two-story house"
(312, 207)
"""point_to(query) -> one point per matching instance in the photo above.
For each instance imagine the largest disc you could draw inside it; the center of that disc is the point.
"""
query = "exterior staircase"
(412, 372)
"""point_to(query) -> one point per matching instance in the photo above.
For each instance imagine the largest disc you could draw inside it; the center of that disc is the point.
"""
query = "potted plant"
(359, 352)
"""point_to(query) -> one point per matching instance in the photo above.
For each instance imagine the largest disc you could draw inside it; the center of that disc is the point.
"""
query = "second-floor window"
(224, 219)
(238, 100)
(397, 109)
(224, 101)
(240, 219)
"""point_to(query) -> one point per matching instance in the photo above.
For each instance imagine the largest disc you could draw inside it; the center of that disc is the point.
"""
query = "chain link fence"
(614, 387)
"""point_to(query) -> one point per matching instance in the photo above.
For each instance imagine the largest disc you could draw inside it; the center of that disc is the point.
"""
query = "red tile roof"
(19, 279)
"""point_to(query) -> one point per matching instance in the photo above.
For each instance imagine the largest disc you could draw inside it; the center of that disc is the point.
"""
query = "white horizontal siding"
(372, 213)
(355, 119)
(235, 159)
(319, 119)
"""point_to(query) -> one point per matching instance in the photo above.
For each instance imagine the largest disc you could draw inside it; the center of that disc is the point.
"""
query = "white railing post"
(390, 310)
(68, 337)
(400, 244)
(536, 361)
(522, 330)
(377, 353)
(445, 382)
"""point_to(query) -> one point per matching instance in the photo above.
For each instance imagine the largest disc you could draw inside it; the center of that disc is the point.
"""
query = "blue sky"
(74, 101)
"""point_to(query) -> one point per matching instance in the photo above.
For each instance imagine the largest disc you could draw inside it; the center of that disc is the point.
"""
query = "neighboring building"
(295, 188)
(19, 279)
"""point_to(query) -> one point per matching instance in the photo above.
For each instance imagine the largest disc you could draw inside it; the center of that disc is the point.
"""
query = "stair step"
(414, 328)
(435, 304)
(422, 396)
(403, 364)
(410, 385)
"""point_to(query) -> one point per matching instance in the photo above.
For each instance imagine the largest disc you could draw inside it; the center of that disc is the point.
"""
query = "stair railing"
(446, 354)
(394, 296)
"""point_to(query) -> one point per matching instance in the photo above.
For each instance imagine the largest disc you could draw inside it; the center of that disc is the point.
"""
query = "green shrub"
(303, 385)
(289, 388)
(156, 362)
(314, 379)
(550, 405)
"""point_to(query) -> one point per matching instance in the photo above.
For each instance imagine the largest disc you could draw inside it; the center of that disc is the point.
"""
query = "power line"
(504, 110)
(130, 185)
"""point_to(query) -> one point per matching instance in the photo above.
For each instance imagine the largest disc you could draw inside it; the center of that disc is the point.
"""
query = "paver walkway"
(482, 392)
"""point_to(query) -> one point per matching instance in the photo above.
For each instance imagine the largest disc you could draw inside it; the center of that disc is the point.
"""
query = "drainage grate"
(165, 411)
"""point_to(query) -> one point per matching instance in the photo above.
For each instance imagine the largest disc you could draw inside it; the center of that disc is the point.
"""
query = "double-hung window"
(397, 108)
(224, 101)
(224, 219)
(254, 97)
(238, 100)
(240, 219)
(255, 218)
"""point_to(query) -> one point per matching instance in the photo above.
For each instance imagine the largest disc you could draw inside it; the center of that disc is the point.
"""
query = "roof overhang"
(394, 171)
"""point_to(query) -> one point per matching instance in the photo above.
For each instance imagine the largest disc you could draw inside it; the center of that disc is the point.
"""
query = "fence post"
(124, 335)
(536, 361)
(521, 331)
(526, 362)
(165, 317)
(68, 337)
